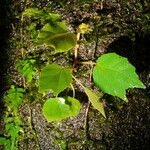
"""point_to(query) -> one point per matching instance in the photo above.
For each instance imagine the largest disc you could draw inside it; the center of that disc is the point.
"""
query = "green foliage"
(51, 29)
(84, 28)
(54, 32)
(62, 144)
(26, 68)
(54, 77)
(56, 109)
(55, 35)
(95, 101)
(39, 14)
(6, 142)
(14, 97)
(13, 100)
(12, 132)
(33, 31)
(113, 74)
(61, 42)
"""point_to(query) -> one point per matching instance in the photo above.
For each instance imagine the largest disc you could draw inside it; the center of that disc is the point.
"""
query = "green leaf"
(62, 42)
(26, 68)
(33, 31)
(14, 97)
(95, 101)
(13, 130)
(51, 29)
(114, 74)
(56, 109)
(39, 14)
(54, 33)
(54, 77)
(6, 143)
(74, 105)
(56, 36)
(3, 141)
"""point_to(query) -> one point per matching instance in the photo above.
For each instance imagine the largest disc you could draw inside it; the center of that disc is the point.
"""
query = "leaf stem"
(76, 49)
(78, 82)
(73, 90)
(87, 63)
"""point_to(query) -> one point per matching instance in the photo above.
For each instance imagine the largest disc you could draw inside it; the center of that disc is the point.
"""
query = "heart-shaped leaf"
(56, 36)
(62, 42)
(114, 74)
(95, 101)
(56, 109)
(51, 29)
(54, 77)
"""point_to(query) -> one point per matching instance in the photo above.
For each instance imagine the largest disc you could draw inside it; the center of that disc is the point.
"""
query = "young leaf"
(56, 109)
(95, 101)
(54, 77)
(84, 28)
(114, 74)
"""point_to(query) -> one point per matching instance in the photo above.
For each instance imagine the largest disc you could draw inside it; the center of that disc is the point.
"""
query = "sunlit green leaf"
(95, 101)
(62, 42)
(114, 74)
(56, 36)
(51, 29)
(56, 109)
(54, 77)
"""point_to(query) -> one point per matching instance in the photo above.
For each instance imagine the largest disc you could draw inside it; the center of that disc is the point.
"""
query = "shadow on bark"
(137, 52)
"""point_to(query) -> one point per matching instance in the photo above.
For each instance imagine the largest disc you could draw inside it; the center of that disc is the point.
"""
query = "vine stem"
(78, 82)
(73, 90)
(87, 63)
(87, 109)
(86, 126)
(76, 50)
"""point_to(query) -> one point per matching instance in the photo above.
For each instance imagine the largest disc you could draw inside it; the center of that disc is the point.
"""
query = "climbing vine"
(111, 73)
